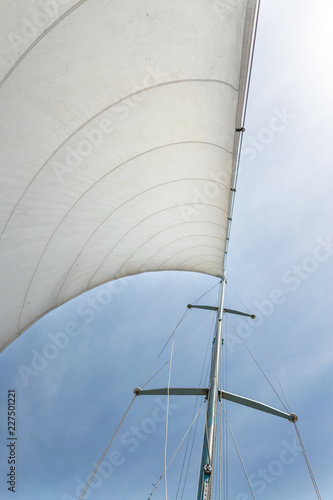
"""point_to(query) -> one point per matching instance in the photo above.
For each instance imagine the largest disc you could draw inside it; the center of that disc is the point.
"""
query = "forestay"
(119, 127)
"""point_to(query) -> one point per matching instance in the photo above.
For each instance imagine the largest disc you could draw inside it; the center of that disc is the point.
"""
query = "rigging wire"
(266, 350)
(226, 410)
(196, 425)
(172, 336)
(273, 367)
(258, 365)
(268, 355)
(296, 428)
(206, 380)
(206, 432)
(167, 418)
(238, 452)
(224, 429)
(179, 322)
(288, 408)
(186, 313)
(182, 347)
(210, 289)
(224, 433)
(190, 457)
(307, 462)
(181, 442)
(220, 440)
(105, 452)
(238, 297)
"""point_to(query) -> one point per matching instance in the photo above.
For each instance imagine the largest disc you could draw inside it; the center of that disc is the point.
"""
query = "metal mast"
(205, 483)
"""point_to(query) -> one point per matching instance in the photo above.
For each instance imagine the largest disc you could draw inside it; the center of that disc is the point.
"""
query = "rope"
(173, 456)
(239, 455)
(307, 463)
(105, 452)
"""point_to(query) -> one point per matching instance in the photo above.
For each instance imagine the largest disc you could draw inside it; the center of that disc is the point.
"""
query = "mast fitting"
(233, 311)
(208, 469)
(209, 308)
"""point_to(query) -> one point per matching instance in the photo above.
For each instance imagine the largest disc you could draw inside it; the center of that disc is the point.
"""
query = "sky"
(280, 265)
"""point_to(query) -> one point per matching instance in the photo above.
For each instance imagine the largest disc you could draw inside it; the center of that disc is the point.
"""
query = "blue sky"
(280, 262)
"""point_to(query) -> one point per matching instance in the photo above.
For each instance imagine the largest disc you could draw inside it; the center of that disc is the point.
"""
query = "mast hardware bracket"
(233, 311)
(203, 391)
(209, 308)
(251, 403)
(208, 469)
(173, 391)
(241, 129)
(213, 308)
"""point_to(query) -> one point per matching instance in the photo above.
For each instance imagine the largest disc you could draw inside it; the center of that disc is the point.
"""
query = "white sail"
(119, 129)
